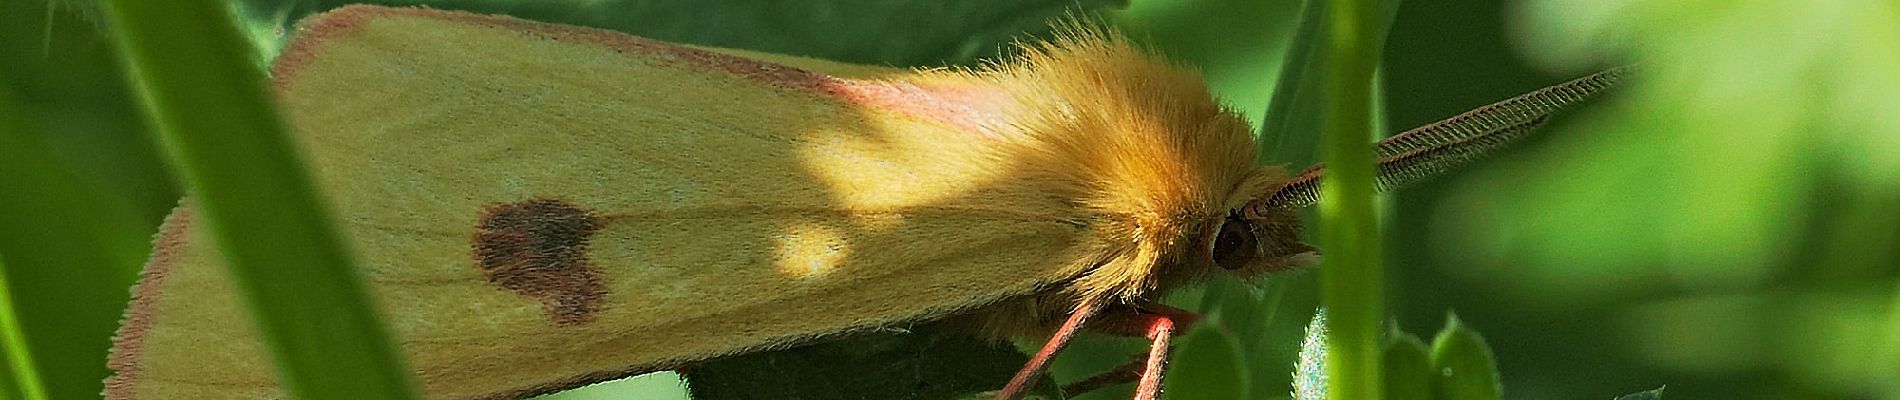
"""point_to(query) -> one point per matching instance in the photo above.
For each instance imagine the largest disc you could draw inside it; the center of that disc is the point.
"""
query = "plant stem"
(1352, 280)
(210, 105)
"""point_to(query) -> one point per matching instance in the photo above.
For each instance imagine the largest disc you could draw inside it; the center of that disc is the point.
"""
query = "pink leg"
(1124, 373)
(1161, 331)
(1020, 383)
(1158, 323)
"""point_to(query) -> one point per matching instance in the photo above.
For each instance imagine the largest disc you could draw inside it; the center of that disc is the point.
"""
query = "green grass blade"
(1293, 113)
(25, 377)
(1352, 281)
(56, 224)
(210, 105)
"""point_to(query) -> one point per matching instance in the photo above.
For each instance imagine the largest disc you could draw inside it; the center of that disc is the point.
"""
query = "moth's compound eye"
(1233, 244)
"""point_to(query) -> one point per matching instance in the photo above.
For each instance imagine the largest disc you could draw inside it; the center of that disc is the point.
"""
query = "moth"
(538, 207)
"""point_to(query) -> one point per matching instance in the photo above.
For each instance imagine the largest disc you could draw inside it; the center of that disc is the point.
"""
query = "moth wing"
(819, 65)
(537, 207)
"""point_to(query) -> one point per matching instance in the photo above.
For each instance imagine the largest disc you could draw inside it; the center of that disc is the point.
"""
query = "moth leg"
(1135, 321)
(1039, 362)
(1124, 373)
(1159, 323)
(1161, 331)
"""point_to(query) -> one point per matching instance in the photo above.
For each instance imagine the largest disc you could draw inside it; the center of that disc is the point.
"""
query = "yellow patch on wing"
(810, 251)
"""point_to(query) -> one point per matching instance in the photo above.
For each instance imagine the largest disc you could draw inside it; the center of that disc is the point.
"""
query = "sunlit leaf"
(1465, 362)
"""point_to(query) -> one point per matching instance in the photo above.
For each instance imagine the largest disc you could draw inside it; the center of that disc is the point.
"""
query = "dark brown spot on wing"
(538, 248)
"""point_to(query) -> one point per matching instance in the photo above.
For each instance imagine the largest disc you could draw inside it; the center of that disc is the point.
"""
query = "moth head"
(1263, 235)
(1248, 244)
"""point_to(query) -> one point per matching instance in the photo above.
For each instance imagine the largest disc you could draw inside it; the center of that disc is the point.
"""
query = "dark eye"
(1233, 245)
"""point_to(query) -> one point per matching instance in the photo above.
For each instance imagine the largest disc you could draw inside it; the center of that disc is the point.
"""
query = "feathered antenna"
(1428, 150)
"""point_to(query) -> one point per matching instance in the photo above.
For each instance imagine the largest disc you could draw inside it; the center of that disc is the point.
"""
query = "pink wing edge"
(963, 106)
(128, 342)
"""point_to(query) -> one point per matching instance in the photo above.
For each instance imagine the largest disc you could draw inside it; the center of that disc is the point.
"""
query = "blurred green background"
(1726, 224)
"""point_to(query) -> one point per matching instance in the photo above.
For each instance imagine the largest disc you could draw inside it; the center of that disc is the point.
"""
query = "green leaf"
(1465, 362)
(1408, 368)
(1644, 395)
(931, 361)
(663, 385)
(213, 111)
(1652, 394)
(1218, 372)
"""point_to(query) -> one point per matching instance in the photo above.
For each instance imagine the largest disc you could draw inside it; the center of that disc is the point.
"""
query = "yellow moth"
(539, 207)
